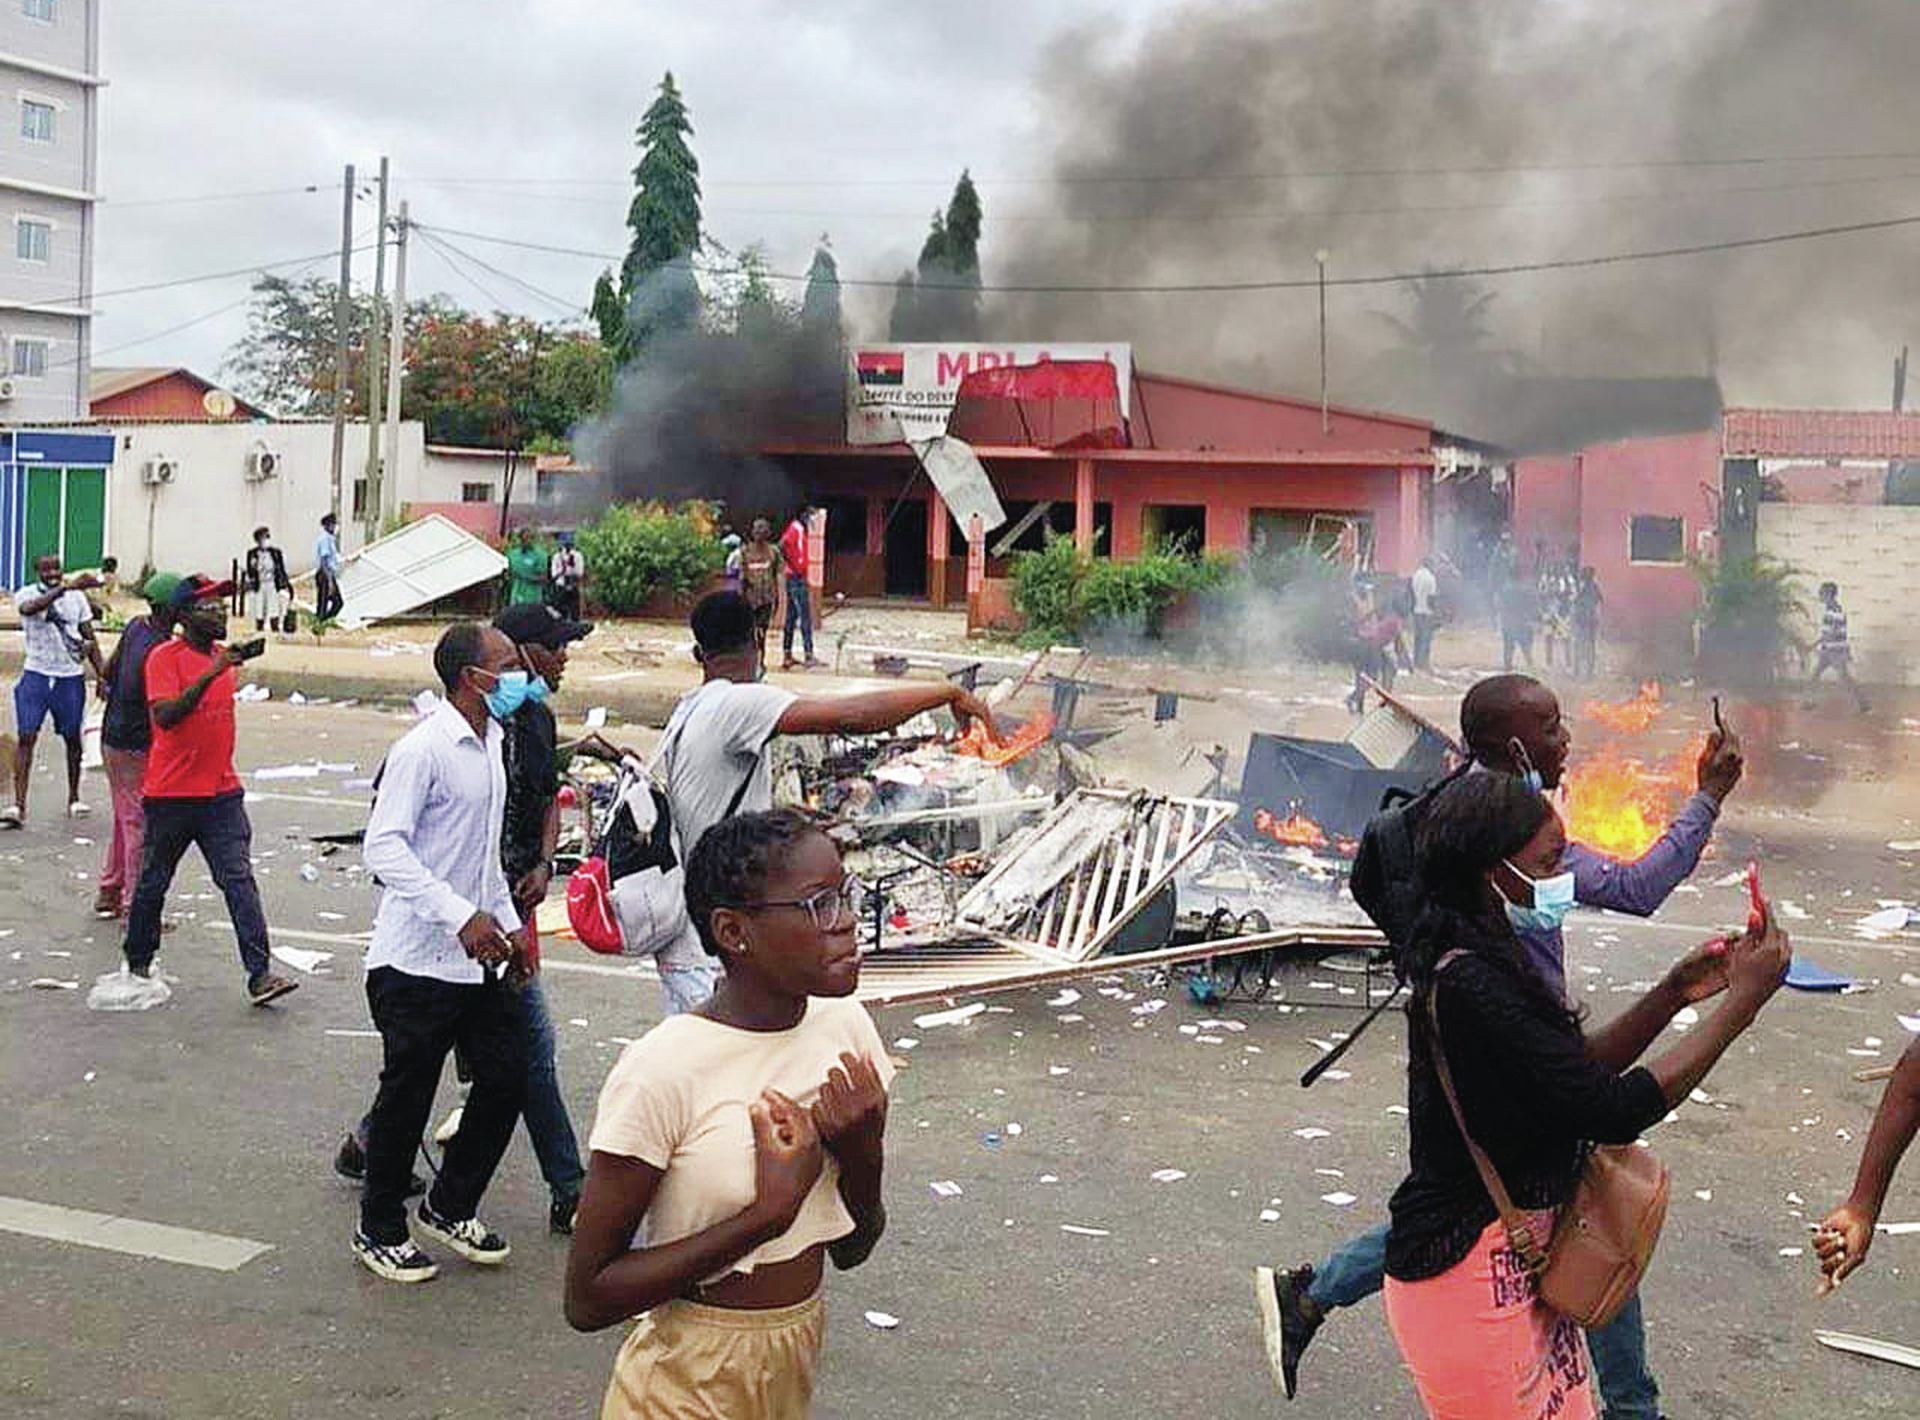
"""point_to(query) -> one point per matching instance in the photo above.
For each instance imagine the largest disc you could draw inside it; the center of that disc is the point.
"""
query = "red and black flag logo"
(881, 367)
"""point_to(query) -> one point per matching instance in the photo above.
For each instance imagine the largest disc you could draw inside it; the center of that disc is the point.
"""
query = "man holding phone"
(191, 794)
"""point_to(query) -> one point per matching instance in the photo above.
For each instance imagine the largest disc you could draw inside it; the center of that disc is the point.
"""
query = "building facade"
(50, 93)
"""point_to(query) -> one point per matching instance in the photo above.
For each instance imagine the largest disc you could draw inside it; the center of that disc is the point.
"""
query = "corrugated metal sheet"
(421, 563)
(1821, 434)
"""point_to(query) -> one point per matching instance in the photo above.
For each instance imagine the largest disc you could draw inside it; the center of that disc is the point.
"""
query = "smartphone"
(1718, 723)
(247, 650)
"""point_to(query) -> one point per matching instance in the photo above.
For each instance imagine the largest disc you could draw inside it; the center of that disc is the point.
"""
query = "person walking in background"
(760, 562)
(526, 570)
(566, 575)
(57, 622)
(126, 733)
(1426, 596)
(794, 554)
(1517, 610)
(445, 926)
(327, 601)
(264, 580)
(1528, 1086)
(1833, 650)
(1553, 610)
(1586, 624)
(192, 797)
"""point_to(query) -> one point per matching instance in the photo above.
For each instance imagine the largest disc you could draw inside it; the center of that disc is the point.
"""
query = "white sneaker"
(12, 816)
(469, 1237)
(397, 1262)
(76, 809)
(449, 1126)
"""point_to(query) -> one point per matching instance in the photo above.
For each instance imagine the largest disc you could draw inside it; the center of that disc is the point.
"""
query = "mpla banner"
(906, 393)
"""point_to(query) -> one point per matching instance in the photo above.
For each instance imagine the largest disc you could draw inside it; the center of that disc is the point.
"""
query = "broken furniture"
(1338, 784)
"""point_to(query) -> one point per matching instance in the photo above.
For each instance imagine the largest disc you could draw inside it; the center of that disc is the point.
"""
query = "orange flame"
(1023, 740)
(1629, 717)
(1621, 805)
(1296, 828)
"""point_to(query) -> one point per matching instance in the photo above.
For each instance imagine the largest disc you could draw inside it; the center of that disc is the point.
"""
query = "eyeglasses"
(829, 908)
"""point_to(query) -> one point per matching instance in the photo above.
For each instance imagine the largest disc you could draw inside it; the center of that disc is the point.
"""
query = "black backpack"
(1385, 881)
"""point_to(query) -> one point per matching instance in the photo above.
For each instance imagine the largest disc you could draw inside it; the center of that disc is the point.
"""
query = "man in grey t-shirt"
(714, 760)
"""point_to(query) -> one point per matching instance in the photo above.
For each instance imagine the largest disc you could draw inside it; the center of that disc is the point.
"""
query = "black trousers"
(420, 1019)
(326, 596)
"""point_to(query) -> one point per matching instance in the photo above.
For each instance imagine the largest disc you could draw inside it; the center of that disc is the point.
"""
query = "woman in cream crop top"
(737, 1147)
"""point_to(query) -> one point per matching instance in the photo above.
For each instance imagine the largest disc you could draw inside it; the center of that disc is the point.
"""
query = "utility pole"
(376, 368)
(1320, 258)
(388, 500)
(342, 313)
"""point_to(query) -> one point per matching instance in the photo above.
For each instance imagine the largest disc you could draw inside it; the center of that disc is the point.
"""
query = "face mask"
(1552, 901)
(508, 694)
(538, 690)
(1523, 762)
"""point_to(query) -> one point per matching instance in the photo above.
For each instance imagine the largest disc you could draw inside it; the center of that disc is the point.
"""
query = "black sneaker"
(560, 1215)
(1288, 1320)
(396, 1262)
(469, 1237)
(351, 1163)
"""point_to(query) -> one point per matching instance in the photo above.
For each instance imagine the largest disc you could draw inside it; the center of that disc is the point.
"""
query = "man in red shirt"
(793, 551)
(192, 796)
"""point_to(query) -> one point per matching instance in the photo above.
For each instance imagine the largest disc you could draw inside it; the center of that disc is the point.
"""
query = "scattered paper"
(884, 1320)
(1070, 1019)
(301, 959)
(1269, 1215)
(252, 693)
(123, 991)
(949, 1018)
(1058, 1070)
(1081, 1232)
(1168, 1175)
(1887, 919)
(1910, 1023)
(1792, 1251)
(1312, 1131)
(1897, 1230)
(1065, 998)
(1905, 845)
(596, 718)
(353, 1034)
(288, 771)
(945, 1188)
(1705, 1195)
(50, 983)
(1733, 879)
(1339, 1199)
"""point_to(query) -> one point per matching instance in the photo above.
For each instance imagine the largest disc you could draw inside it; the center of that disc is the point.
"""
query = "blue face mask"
(538, 690)
(509, 693)
(1552, 901)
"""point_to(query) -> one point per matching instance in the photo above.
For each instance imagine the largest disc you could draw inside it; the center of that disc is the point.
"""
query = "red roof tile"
(1821, 434)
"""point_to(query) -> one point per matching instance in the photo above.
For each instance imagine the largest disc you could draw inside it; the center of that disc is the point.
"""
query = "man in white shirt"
(446, 923)
(58, 624)
(1426, 593)
(714, 750)
(566, 574)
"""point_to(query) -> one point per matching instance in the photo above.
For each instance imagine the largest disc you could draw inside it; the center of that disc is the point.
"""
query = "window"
(476, 493)
(30, 358)
(1653, 539)
(38, 10)
(359, 500)
(36, 121)
(32, 239)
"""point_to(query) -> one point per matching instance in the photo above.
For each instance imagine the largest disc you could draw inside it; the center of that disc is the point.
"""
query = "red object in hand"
(568, 799)
(1757, 905)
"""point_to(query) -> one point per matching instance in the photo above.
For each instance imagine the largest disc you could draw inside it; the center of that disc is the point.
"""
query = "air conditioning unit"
(158, 469)
(6, 390)
(262, 463)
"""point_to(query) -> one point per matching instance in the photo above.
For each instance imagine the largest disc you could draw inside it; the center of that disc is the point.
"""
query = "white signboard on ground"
(424, 561)
(906, 392)
(962, 481)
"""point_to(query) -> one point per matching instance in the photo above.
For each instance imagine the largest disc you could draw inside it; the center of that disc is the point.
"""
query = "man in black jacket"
(263, 576)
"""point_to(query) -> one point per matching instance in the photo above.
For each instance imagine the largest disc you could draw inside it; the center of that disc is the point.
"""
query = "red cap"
(197, 588)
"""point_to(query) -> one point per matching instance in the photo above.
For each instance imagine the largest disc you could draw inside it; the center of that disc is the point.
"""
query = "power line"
(1515, 268)
(119, 205)
(256, 269)
(454, 265)
(445, 247)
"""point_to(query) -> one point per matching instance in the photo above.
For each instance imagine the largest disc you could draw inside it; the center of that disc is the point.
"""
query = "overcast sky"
(515, 118)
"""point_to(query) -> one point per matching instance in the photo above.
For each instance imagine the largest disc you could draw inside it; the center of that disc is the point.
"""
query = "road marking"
(338, 803)
(1804, 939)
(299, 934)
(129, 1235)
(635, 972)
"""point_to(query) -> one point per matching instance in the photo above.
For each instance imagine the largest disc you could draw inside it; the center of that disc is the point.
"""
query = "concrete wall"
(1869, 552)
(1672, 476)
(203, 519)
(65, 42)
(445, 471)
(1546, 505)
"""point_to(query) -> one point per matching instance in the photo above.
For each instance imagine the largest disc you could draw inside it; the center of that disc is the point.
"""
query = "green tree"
(940, 299)
(820, 306)
(656, 289)
(285, 361)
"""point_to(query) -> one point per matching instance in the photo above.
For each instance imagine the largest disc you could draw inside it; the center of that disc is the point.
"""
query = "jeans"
(121, 871)
(218, 827)
(420, 1019)
(1357, 1269)
(800, 614)
(1423, 641)
(548, 1128)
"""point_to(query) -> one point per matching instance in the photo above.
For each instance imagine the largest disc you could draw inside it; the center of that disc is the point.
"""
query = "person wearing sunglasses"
(739, 1146)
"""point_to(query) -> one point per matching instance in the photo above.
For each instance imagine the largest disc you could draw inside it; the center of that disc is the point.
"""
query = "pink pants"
(1482, 1346)
(121, 872)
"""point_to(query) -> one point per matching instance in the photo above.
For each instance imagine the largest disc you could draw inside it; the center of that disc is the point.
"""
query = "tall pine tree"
(820, 306)
(940, 300)
(656, 290)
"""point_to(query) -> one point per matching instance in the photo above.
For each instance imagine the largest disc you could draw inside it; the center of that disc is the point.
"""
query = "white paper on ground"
(123, 991)
(1312, 1131)
(1897, 1230)
(949, 1018)
(1168, 1175)
(596, 718)
(1887, 919)
(1339, 1199)
(52, 983)
(1065, 998)
(300, 959)
(288, 771)
(1268, 1215)
(1081, 1232)
(1911, 1023)
(945, 1188)
(886, 1321)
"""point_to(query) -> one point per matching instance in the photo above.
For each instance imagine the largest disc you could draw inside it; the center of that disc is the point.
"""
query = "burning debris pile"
(1618, 797)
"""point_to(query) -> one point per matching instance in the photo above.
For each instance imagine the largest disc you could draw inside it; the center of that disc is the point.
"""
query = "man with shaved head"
(1512, 724)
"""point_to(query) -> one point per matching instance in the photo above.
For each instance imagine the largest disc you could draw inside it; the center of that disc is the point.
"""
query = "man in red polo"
(192, 796)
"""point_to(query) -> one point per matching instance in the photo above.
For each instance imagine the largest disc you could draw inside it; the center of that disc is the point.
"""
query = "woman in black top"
(1535, 1091)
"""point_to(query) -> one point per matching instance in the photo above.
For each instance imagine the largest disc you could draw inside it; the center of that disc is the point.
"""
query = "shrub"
(1752, 613)
(1062, 594)
(634, 551)
(1046, 589)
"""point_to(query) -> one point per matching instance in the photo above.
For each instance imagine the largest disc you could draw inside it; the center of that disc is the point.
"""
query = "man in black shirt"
(530, 830)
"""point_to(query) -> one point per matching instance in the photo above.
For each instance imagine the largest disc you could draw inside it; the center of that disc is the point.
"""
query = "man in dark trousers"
(192, 796)
(326, 570)
(445, 928)
(794, 552)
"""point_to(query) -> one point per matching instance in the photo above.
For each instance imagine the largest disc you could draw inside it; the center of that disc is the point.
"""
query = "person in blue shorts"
(58, 624)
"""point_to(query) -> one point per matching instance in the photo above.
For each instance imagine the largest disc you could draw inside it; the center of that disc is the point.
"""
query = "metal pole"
(1320, 258)
(396, 360)
(342, 311)
(376, 369)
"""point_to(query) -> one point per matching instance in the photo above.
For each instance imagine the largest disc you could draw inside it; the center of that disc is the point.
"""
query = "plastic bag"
(123, 991)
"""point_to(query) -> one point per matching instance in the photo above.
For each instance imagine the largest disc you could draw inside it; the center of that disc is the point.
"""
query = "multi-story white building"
(49, 123)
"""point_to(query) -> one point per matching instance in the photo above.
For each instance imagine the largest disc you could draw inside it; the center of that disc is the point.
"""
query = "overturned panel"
(423, 562)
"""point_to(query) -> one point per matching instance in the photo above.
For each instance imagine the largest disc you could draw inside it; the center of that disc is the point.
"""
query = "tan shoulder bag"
(1603, 1236)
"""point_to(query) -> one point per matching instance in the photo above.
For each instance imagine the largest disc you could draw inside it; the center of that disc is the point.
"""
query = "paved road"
(209, 1116)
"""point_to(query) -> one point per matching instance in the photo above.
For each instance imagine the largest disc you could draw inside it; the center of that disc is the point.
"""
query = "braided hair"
(733, 860)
